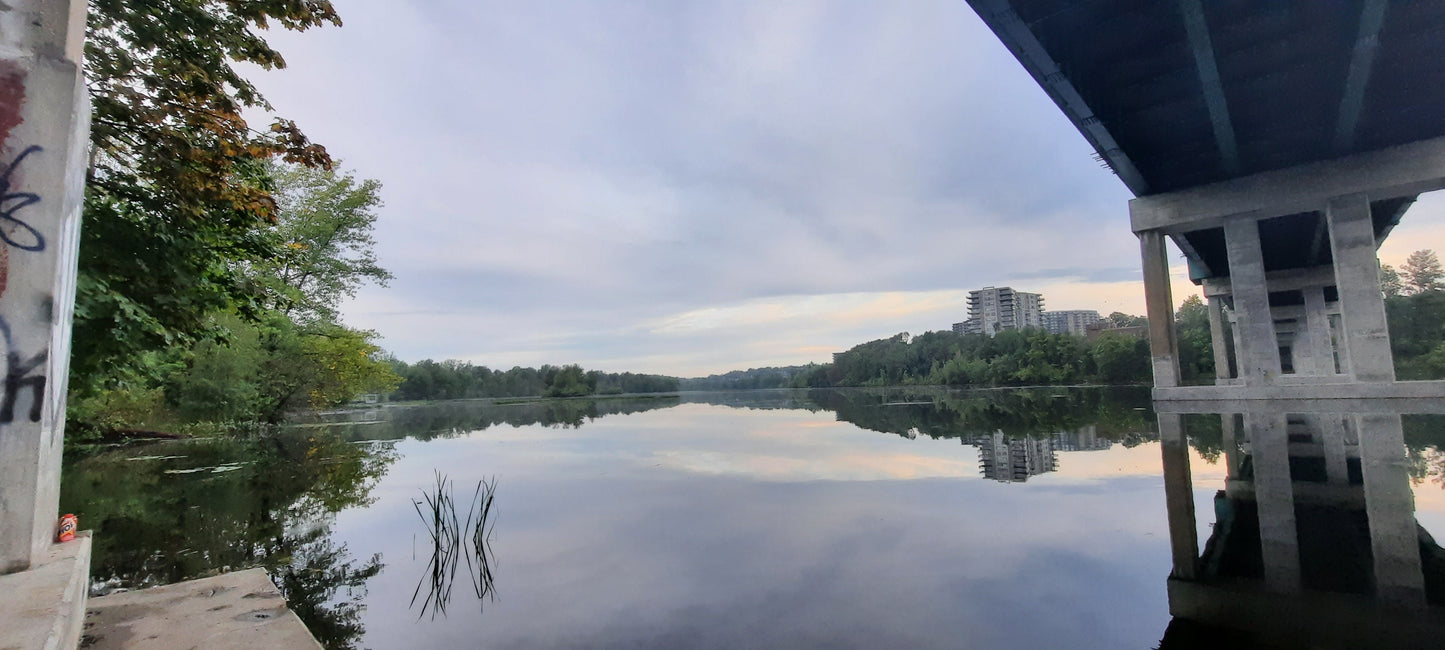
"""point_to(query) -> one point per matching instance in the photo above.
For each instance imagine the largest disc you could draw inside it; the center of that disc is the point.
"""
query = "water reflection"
(452, 540)
(1314, 540)
(174, 510)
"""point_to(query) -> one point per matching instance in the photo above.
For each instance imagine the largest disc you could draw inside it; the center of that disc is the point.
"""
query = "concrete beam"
(1390, 508)
(1405, 170)
(1296, 403)
(1216, 339)
(1179, 497)
(1197, 31)
(1288, 280)
(1422, 396)
(1357, 277)
(1159, 303)
(1362, 62)
(1258, 356)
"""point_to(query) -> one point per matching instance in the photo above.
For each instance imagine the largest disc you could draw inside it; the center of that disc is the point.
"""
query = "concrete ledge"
(240, 610)
(1310, 619)
(44, 607)
(1421, 396)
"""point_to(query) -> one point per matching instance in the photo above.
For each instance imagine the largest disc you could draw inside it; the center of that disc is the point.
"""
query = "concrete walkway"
(240, 610)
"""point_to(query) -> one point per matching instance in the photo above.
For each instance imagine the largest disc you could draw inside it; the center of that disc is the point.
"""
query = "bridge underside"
(1277, 145)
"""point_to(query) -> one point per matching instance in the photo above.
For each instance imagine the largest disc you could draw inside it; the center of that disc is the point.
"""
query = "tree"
(1390, 282)
(1121, 319)
(177, 199)
(1196, 345)
(1423, 273)
(1121, 359)
(324, 225)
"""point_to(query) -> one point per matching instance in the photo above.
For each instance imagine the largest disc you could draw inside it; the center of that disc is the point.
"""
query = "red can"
(68, 524)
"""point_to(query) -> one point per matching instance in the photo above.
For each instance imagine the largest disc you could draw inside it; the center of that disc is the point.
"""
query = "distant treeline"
(1414, 299)
(1011, 358)
(778, 377)
(436, 380)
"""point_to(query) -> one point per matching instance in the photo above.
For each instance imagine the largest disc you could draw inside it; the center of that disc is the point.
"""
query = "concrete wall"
(44, 125)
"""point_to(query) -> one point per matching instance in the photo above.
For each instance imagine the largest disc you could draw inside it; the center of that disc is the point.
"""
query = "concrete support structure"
(1222, 371)
(1307, 311)
(44, 127)
(1357, 274)
(1274, 495)
(1159, 301)
(1259, 356)
(1390, 507)
(1179, 495)
(1288, 600)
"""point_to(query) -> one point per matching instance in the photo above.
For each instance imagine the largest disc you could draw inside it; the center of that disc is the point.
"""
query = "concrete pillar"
(1390, 506)
(1258, 354)
(1216, 338)
(1231, 445)
(44, 128)
(1274, 496)
(1331, 429)
(1179, 496)
(1317, 333)
(1357, 276)
(1159, 302)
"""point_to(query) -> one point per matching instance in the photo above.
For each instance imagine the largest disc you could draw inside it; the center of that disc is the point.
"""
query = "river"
(829, 518)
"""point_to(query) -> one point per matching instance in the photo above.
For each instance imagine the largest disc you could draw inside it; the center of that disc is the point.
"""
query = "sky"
(691, 188)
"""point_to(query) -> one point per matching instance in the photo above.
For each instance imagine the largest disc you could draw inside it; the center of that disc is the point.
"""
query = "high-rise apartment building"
(1014, 459)
(1070, 321)
(992, 309)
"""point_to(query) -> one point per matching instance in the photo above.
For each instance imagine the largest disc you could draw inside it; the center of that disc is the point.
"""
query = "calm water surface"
(771, 518)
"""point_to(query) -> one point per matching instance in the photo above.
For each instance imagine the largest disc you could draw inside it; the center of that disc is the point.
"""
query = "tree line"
(451, 379)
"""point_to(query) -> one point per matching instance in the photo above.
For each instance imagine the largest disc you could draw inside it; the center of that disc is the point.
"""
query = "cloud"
(692, 187)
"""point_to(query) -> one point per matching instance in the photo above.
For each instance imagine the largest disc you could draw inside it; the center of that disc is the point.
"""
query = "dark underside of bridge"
(1176, 94)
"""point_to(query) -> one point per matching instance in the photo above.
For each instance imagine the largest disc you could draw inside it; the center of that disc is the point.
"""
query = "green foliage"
(451, 379)
(1417, 334)
(177, 199)
(1196, 346)
(1422, 273)
(324, 230)
(568, 381)
(1121, 359)
(1011, 358)
(1390, 282)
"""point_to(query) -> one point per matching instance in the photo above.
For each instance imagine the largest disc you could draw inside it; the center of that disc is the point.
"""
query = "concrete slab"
(44, 606)
(240, 610)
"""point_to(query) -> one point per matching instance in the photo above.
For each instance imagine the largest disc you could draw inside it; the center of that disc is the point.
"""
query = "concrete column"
(1216, 339)
(44, 128)
(1179, 496)
(1331, 428)
(1357, 275)
(1258, 354)
(1317, 333)
(1274, 496)
(1390, 506)
(1159, 302)
(1231, 445)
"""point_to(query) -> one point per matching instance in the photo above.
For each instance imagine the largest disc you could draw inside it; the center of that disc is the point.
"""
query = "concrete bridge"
(1276, 144)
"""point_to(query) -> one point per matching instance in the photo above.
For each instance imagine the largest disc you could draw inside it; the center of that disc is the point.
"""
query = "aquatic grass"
(481, 538)
(438, 511)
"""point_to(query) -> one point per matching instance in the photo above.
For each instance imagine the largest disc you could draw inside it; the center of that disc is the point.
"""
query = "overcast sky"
(694, 187)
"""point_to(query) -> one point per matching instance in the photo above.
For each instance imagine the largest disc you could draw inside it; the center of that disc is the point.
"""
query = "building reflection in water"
(1314, 541)
(1013, 459)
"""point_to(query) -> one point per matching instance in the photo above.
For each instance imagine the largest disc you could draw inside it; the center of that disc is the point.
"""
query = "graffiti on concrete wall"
(21, 376)
(13, 229)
